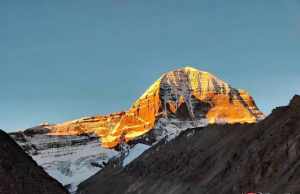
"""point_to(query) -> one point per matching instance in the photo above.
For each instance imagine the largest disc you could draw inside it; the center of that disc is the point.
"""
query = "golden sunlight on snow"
(165, 97)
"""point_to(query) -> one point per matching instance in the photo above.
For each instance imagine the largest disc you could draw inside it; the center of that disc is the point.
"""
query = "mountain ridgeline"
(20, 174)
(178, 100)
(185, 94)
(228, 158)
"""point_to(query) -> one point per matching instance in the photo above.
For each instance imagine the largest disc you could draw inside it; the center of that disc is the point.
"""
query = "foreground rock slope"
(19, 173)
(227, 159)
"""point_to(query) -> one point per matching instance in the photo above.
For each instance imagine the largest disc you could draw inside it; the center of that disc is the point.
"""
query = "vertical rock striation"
(186, 94)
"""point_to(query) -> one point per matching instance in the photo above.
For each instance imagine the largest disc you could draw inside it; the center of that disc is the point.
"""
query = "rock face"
(180, 99)
(185, 94)
(70, 159)
(229, 158)
(19, 174)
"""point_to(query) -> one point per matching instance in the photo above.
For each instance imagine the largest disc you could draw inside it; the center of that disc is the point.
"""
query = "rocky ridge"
(229, 158)
(20, 174)
(185, 94)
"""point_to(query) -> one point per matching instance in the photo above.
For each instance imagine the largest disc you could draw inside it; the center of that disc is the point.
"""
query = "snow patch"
(68, 159)
(171, 128)
(73, 165)
(135, 152)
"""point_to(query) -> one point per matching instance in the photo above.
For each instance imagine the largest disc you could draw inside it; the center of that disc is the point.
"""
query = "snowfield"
(73, 159)
(68, 159)
(72, 165)
(135, 152)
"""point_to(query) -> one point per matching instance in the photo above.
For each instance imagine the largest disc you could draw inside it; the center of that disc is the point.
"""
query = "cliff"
(185, 94)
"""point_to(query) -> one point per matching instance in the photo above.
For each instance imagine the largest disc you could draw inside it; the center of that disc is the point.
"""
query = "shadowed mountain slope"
(227, 159)
(19, 173)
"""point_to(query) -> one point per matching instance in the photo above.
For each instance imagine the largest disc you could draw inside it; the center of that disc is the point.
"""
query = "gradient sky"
(62, 59)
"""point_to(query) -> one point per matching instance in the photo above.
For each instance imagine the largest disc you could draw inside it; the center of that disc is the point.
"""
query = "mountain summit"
(185, 94)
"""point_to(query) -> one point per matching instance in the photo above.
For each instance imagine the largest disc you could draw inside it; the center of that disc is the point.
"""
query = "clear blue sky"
(62, 60)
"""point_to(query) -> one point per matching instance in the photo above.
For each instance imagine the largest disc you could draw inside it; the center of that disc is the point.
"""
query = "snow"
(72, 165)
(68, 162)
(171, 128)
(70, 159)
(135, 152)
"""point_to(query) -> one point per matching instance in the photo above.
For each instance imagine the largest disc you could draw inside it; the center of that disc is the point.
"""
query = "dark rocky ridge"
(19, 173)
(227, 159)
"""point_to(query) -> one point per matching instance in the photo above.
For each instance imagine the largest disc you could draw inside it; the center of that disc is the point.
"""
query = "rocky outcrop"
(19, 174)
(185, 94)
(70, 159)
(229, 158)
(100, 125)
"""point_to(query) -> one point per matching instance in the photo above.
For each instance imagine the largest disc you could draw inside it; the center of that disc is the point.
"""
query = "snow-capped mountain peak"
(184, 98)
(185, 94)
